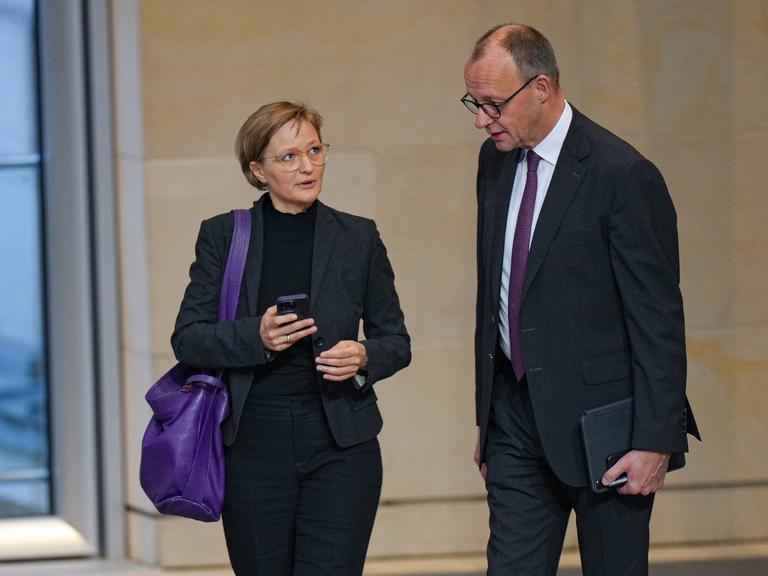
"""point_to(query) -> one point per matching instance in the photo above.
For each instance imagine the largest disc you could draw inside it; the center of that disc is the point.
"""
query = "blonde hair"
(254, 135)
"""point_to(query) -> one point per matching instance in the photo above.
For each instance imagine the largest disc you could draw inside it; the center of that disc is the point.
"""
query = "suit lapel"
(497, 207)
(325, 236)
(568, 175)
(255, 257)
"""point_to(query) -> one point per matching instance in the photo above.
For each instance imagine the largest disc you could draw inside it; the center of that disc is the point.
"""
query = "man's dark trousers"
(529, 506)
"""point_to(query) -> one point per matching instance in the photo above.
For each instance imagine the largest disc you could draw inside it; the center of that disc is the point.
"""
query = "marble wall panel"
(430, 528)
(142, 542)
(183, 543)
(686, 56)
(132, 241)
(176, 543)
(138, 375)
(610, 58)
(748, 30)
(710, 515)
(179, 195)
(429, 430)
(349, 183)
(750, 233)
(700, 188)
(717, 189)
(680, 517)
(426, 213)
(726, 387)
(383, 73)
(461, 527)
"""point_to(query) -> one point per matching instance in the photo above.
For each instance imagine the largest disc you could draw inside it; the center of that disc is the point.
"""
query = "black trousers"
(529, 506)
(297, 504)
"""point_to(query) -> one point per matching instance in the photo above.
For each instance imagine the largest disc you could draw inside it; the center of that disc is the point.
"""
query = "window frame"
(81, 299)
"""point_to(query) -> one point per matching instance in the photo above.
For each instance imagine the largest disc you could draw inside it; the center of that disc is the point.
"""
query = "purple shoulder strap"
(233, 273)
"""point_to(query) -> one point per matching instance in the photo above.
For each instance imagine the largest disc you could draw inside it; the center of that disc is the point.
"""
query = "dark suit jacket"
(602, 314)
(352, 280)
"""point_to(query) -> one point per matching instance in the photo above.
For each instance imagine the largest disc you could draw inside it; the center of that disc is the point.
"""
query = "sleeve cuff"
(361, 379)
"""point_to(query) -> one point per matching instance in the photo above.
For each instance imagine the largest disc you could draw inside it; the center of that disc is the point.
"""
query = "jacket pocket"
(605, 369)
(364, 402)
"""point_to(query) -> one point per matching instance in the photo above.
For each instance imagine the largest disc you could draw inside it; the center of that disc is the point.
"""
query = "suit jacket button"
(318, 341)
(490, 357)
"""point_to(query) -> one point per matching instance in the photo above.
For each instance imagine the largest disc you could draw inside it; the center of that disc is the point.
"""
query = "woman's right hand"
(279, 333)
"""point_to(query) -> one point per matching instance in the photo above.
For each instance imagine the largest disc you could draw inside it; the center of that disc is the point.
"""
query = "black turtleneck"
(287, 269)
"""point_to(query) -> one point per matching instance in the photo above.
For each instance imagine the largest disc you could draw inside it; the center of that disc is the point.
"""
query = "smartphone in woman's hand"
(293, 304)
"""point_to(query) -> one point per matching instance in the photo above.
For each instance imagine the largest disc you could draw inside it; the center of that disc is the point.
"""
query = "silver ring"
(287, 337)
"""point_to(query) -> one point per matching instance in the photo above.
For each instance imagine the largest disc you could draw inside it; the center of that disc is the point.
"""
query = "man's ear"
(543, 87)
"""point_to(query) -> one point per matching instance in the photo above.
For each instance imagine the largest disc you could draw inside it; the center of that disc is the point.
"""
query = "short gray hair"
(529, 48)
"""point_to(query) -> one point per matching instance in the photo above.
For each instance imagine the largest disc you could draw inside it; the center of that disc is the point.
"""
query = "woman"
(303, 461)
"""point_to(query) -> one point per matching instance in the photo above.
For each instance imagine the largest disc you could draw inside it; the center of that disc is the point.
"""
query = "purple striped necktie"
(520, 245)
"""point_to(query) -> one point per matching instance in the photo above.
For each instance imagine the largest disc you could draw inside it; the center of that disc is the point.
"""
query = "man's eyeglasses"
(290, 161)
(491, 109)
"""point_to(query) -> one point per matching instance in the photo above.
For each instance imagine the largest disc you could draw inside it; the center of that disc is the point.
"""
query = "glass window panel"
(18, 90)
(24, 468)
(24, 458)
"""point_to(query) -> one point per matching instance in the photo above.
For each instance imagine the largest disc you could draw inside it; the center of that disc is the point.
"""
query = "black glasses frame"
(492, 109)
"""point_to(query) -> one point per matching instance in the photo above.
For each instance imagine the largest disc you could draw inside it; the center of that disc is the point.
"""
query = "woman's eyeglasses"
(290, 160)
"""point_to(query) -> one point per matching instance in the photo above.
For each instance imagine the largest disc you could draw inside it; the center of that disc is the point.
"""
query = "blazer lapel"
(325, 236)
(255, 257)
(566, 180)
(497, 207)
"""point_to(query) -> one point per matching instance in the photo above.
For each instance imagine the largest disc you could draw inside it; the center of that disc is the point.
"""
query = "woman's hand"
(342, 361)
(279, 333)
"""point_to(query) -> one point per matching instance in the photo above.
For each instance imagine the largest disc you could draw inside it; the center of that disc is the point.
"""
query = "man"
(578, 306)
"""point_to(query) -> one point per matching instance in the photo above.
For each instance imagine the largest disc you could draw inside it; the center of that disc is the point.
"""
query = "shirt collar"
(549, 148)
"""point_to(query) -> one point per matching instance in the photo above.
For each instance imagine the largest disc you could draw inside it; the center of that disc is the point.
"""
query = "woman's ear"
(257, 171)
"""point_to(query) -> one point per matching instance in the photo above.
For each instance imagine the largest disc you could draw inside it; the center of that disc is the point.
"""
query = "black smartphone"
(620, 481)
(610, 461)
(293, 304)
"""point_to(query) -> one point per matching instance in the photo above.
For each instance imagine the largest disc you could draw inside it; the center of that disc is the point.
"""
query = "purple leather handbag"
(182, 453)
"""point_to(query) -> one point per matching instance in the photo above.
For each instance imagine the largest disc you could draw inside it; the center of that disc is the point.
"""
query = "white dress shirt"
(549, 151)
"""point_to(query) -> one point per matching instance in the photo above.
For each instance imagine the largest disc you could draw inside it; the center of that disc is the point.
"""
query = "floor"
(732, 560)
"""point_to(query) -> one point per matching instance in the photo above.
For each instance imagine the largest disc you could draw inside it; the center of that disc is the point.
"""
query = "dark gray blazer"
(602, 313)
(352, 280)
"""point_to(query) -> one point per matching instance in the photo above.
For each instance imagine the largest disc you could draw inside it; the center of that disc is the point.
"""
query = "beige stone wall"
(684, 81)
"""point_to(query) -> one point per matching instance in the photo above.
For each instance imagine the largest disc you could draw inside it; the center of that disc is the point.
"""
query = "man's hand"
(281, 332)
(645, 470)
(483, 467)
(342, 361)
